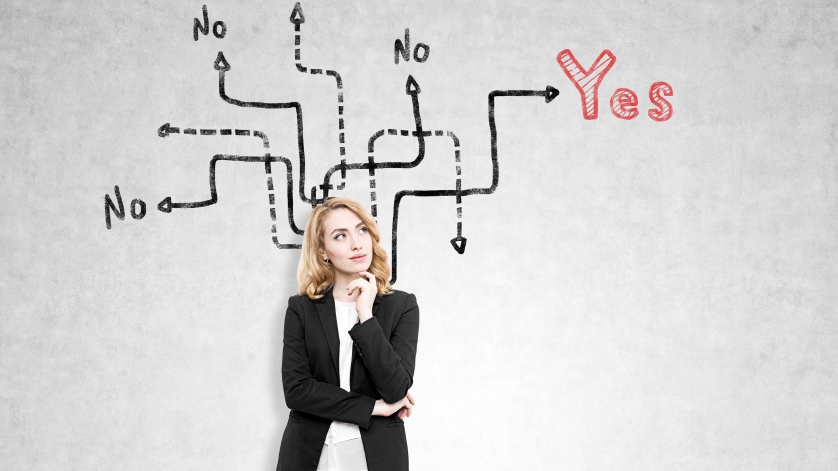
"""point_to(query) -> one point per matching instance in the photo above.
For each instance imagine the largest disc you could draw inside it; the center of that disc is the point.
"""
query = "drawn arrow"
(166, 205)
(166, 129)
(221, 63)
(549, 93)
(459, 242)
(297, 16)
(222, 66)
(412, 89)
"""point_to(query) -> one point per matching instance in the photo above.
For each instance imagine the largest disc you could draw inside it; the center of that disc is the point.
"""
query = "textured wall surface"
(634, 294)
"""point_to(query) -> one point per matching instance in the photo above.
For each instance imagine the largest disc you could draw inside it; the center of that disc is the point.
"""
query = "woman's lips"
(358, 258)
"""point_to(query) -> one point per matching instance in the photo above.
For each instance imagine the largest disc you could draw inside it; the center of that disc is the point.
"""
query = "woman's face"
(347, 243)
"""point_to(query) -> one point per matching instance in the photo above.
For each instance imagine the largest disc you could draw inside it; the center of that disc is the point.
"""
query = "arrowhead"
(297, 15)
(163, 130)
(459, 244)
(165, 206)
(221, 63)
(412, 88)
(551, 93)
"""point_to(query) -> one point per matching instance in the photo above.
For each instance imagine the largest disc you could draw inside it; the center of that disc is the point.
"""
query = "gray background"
(635, 295)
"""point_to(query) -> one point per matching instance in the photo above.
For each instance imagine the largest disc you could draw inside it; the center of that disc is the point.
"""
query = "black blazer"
(382, 368)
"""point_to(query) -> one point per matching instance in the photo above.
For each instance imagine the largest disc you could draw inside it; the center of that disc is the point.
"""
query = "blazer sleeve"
(390, 363)
(306, 394)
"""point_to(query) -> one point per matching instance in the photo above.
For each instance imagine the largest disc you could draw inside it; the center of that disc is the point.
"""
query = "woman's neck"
(339, 290)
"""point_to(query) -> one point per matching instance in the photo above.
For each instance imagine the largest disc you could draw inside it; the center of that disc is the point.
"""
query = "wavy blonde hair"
(316, 276)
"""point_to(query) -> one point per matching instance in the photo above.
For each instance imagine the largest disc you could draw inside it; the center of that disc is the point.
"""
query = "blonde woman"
(349, 350)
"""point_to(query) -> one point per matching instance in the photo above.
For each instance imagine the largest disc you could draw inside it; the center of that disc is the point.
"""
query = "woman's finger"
(360, 282)
(369, 276)
(410, 398)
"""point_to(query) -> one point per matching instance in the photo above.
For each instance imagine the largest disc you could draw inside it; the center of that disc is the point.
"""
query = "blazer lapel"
(329, 323)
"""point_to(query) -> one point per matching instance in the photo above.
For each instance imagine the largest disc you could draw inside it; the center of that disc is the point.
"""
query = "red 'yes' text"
(623, 103)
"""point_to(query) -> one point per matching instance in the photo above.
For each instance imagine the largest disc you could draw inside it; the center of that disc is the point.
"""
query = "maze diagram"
(335, 178)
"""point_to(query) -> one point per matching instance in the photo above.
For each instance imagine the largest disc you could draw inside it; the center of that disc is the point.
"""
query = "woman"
(349, 350)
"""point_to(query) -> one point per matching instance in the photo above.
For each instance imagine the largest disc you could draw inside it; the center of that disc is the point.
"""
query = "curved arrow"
(412, 89)
(166, 205)
(549, 93)
(222, 66)
(297, 19)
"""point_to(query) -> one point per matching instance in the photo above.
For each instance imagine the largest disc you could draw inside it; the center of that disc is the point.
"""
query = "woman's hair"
(316, 276)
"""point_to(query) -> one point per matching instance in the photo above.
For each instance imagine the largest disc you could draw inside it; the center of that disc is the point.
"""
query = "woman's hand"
(403, 407)
(368, 288)
(405, 411)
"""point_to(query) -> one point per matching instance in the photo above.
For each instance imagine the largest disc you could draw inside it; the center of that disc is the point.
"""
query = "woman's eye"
(339, 236)
(364, 229)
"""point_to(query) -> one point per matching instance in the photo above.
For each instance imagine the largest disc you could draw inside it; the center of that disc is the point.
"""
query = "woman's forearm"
(329, 401)
(304, 393)
(390, 363)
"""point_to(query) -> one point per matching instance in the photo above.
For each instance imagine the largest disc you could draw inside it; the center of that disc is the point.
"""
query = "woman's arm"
(304, 393)
(390, 363)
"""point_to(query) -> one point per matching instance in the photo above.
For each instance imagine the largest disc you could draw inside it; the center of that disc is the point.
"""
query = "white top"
(347, 317)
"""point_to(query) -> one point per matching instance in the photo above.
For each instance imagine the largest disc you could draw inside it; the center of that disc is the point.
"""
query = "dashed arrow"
(166, 129)
(297, 16)
(459, 242)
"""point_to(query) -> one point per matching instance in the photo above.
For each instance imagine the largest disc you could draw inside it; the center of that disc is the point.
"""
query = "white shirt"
(347, 317)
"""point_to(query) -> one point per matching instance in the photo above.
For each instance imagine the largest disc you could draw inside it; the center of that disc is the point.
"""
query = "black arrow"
(459, 242)
(548, 93)
(412, 89)
(164, 130)
(166, 205)
(297, 16)
(221, 63)
(551, 93)
(223, 66)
